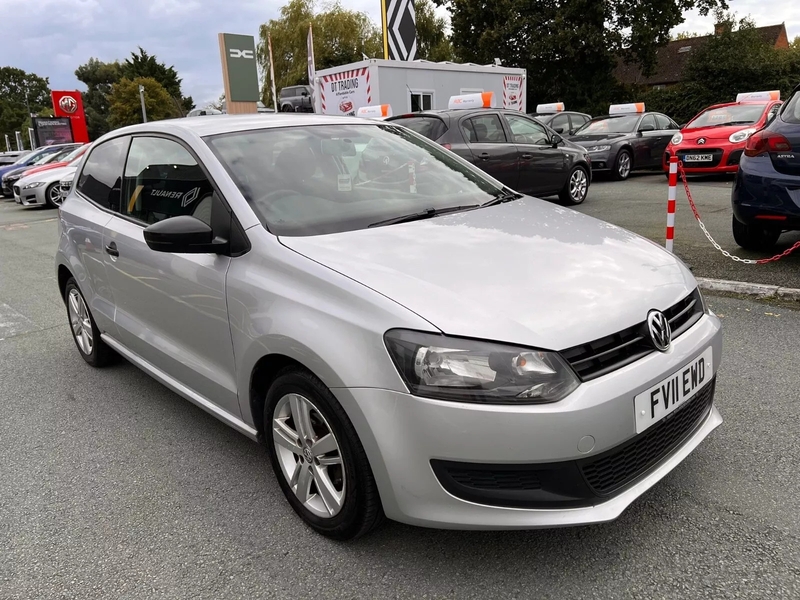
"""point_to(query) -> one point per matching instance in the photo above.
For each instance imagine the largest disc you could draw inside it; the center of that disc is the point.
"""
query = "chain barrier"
(747, 261)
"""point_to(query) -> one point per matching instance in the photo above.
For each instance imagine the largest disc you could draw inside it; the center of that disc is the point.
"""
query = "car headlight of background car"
(36, 184)
(742, 135)
(677, 139)
(599, 148)
(464, 370)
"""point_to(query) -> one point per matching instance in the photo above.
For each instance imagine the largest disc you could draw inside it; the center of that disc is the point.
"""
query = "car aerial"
(714, 140)
(559, 120)
(512, 147)
(766, 191)
(405, 335)
(628, 138)
(43, 188)
(52, 161)
(296, 98)
(32, 158)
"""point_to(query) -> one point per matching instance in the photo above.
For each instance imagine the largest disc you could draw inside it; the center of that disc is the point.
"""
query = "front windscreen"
(738, 114)
(622, 124)
(319, 179)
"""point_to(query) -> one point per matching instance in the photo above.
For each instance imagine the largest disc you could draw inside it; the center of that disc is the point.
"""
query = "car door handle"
(111, 249)
(484, 156)
(527, 156)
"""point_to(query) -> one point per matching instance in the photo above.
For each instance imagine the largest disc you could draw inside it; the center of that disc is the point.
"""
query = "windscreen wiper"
(424, 214)
(506, 196)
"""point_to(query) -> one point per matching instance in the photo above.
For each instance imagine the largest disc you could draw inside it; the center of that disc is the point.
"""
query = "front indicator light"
(464, 370)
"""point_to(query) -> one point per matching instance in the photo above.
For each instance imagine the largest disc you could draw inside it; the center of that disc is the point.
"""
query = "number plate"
(667, 396)
(698, 158)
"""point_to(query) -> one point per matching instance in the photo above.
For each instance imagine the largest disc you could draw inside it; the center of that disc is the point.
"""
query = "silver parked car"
(43, 188)
(406, 336)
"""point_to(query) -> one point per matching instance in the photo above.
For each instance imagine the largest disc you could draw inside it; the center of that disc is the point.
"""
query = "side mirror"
(559, 130)
(557, 139)
(183, 234)
(304, 94)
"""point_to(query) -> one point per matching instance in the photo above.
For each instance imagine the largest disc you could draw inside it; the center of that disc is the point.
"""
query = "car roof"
(233, 123)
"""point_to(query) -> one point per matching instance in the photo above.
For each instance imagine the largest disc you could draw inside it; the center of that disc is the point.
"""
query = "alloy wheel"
(80, 321)
(54, 195)
(578, 185)
(624, 165)
(309, 455)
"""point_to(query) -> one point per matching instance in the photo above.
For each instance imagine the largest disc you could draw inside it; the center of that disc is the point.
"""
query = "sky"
(53, 37)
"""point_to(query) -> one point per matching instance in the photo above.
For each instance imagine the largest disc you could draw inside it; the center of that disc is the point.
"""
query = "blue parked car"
(766, 195)
(27, 160)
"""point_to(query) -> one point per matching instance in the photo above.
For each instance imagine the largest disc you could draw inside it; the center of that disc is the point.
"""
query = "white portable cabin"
(408, 86)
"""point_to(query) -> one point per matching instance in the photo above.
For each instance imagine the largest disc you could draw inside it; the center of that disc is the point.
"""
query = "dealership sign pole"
(272, 73)
(69, 104)
(239, 73)
(18, 135)
(8, 144)
(30, 137)
(141, 98)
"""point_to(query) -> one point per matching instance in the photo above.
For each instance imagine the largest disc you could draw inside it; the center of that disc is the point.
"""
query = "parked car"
(564, 122)
(65, 185)
(9, 158)
(514, 148)
(27, 160)
(766, 196)
(626, 139)
(297, 98)
(43, 188)
(51, 161)
(203, 112)
(408, 339)
(714, 140)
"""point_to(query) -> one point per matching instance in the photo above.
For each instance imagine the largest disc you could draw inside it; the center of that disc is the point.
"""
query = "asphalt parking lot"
(640, 205)
(111, 486)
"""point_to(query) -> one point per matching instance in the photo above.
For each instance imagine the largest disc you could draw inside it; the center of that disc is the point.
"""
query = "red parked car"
(59, 160)
(714, 140)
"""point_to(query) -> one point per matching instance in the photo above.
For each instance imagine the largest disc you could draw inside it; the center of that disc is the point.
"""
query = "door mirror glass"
(183, 234)
(559, 130)
(557, 139)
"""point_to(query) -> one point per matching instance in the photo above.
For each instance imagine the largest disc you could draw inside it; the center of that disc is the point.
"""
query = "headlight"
(447, 368)
(599, 148)
(742, 135)
(12, 178)
(33, 185)
(677, 138)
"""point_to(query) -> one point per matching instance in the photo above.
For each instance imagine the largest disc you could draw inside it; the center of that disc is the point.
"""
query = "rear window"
(431, 127)
(791, 110)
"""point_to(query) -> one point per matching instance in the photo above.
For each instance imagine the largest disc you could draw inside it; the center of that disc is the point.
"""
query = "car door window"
(483, 129)
(101, 175)
(163, 180)
(527, 131)
(560, 122)
(648, 123)
(772, 112)
(664, 122)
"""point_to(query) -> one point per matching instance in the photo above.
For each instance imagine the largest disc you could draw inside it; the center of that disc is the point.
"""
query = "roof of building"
(672, 58)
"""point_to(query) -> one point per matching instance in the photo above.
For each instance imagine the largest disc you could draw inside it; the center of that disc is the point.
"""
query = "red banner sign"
(70, 104)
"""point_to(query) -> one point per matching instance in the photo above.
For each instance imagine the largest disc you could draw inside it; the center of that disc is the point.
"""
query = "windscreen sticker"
(345, 183)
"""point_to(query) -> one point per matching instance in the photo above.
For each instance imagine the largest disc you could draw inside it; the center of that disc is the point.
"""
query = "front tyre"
(318, 459)
(622, 166)
(52, 195)
(576, 187)
(84, 330)
(753, 237)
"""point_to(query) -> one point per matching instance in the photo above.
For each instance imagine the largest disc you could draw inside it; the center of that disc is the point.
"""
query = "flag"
(399, 22)
(311, 69)
(272, 73)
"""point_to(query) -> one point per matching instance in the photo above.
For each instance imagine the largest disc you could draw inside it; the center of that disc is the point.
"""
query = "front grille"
(495, 480)
(611, 470)
(604, 355)
(716, 154)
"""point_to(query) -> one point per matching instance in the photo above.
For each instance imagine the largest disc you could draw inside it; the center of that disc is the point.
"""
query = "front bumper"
(402, 434)
(31, 197)
(725, 158)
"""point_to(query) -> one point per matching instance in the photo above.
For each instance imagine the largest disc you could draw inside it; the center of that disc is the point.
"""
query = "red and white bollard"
(673, 187)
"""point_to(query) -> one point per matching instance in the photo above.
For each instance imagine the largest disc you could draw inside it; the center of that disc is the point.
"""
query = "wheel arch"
(262, 375)
(63, 275)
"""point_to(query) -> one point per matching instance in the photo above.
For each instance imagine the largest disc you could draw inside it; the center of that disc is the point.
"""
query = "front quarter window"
(314, 180)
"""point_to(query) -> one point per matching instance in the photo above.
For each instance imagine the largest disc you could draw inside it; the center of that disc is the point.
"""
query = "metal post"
(32, 138)
(673, 186)
(144, 110)
(18, 135)
(272, 73)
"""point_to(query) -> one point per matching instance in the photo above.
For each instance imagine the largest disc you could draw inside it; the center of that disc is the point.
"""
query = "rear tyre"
(52, 195)
(318, 459)
(84, 330)
(753, 237)
(622, 166)
(575, 188)
(287, 108)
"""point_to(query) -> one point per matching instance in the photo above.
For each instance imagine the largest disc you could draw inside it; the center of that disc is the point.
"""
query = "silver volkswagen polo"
(406, 336)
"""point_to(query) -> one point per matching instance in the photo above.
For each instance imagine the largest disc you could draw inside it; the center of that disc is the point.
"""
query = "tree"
(685, 35)
(125, 106)
(341, 36)
(20, 94)
(98, 77)
(569, 48)
(433, 42)
(144, 65)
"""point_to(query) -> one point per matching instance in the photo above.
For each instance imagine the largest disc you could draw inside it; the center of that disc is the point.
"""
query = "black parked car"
(564, 122)
(512, 147)
(621, 143)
